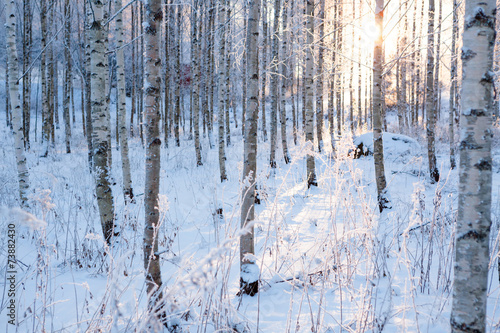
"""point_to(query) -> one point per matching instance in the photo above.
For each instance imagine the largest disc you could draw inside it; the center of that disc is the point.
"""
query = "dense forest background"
(244, 166)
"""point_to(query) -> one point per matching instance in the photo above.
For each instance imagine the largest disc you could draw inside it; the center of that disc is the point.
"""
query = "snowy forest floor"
(323, 265)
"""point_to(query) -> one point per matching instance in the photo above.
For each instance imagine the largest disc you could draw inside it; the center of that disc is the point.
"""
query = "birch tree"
(67, 75)
(453, 86)
(195, 57)
(152, 85)
(309, 84)
(15, 101)
(121, 103)
(221, 90)
(468, 313)
(274, 85)
(284, 83)
(27, 44)
(100, 120)
(249, 283)
(378, 145)
(430, 105)
(320, 76)
(264, 68)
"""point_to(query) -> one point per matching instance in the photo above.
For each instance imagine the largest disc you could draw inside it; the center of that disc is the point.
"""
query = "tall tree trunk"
(244, 71)
(470, 285)
(195, 62)
(453, 85)
(100, 121)
(430, 105)
(331, 106)
(320, 76)
(437, 88)
(152, 83)
(338, 85)
(249, 284)
(265, 44)
(67, 86)
(378, 146)
(311, 167)
(284, 82)
(274, 84)
(15, 102)
(122, 106)
(221, 89)
(88, 83)
(44, 81)
(27, 37)
(178, 108)
(227, 71)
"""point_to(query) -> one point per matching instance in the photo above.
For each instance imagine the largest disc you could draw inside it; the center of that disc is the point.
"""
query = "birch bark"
(309, 84)
(152, 84)
(15, 102)
(378, 146)
(468, 313)
(284, 82)
(221, 89)
(430, 105)
(121, 102)
(100, 121)
(249, 283)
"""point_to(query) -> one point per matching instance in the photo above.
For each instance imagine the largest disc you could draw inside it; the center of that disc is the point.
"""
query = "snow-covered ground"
(323, 265)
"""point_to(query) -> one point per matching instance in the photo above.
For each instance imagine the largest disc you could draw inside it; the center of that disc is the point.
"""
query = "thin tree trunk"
(284, 83)
(67, 86)
(152, 66)
(470, 285)
(430, 106)
(88, 85)
(378, 146)
(221, 89)
(265, 44)
(44, 81)
(100, 121)
(227, 71)
(320, 76)
(17, 114)
(249, 284)
(453, 85)
(27, 37)
(122, 106)
(195, 62)
(244, 71)
(177, 120)
(311, 167)
(274, 85)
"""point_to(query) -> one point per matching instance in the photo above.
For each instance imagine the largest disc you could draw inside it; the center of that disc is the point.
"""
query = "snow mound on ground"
(394, 145)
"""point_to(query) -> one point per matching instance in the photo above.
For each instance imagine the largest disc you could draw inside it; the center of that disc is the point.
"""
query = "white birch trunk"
(453, 86)
(67, 76)
(195, 65)
(470, 285)
(309, 124)
(320, 76)
(249, 283)
(100, 121)
(15, 102)
(430, 105)
(378, 146)
(274, 82)
(284, 83)
(264, 69)
(221, 89)
(121, 103)
(152, 84)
